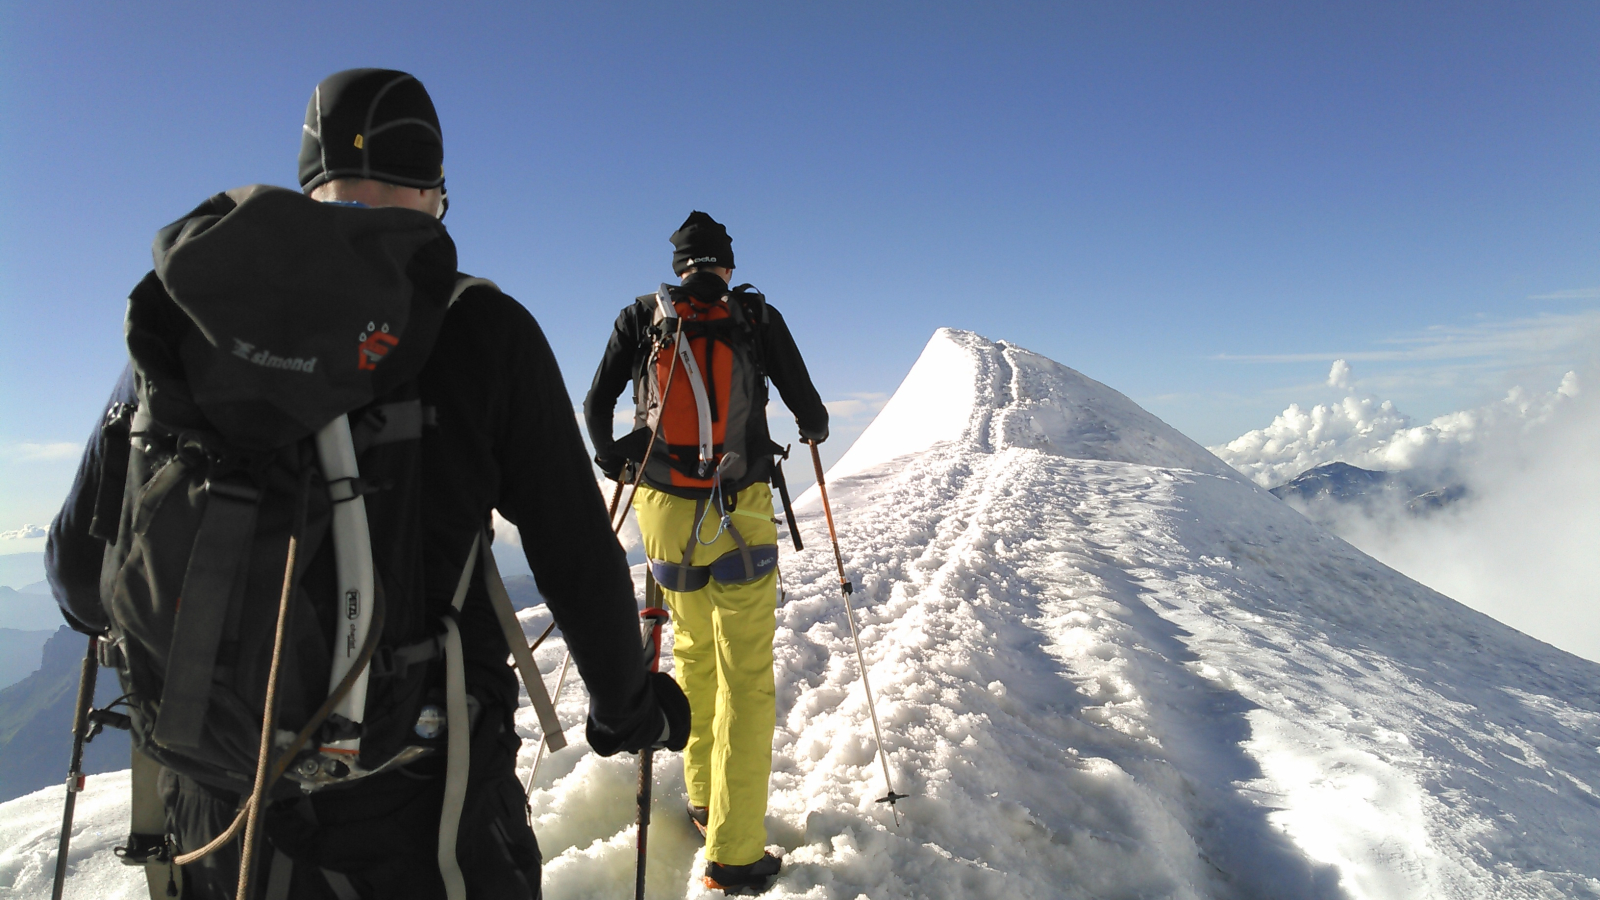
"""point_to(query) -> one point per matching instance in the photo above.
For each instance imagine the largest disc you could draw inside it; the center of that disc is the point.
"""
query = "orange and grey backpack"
(701, 385)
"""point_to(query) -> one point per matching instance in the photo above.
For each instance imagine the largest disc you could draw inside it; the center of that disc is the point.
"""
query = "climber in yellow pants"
(700, 355)
(722, 647)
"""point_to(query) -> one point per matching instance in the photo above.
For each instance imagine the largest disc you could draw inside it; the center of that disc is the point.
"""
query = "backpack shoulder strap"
(518, 642)
(754, 303)
(464, 282)
(749, 307)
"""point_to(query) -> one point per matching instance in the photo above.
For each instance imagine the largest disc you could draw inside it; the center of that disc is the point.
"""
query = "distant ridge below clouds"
(19, 653)
(1364, 431)
(1335, 487)
(36, 720)
(28, 611)
(19, 570)
(1493, 506)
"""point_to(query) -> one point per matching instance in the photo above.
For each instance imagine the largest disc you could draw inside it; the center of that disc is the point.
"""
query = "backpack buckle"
(382, 663)
(108, 650)
(233, 489)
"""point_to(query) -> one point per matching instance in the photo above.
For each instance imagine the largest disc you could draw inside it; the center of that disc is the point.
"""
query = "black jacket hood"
(273, 313)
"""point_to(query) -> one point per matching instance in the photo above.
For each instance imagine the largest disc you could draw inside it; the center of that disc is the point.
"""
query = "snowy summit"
(1107, 665)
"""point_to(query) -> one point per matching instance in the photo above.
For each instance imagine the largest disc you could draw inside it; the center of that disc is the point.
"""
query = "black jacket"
(629, 349)
(504, 439)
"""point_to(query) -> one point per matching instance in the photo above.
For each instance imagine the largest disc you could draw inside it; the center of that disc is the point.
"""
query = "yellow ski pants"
(722, 645)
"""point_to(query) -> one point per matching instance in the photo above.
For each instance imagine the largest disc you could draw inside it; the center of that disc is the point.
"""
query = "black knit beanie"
(371, 123)
(701, 241)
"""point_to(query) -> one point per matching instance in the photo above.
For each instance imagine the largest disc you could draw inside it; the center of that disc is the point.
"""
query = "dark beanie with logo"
(371, 123)
(701, 241)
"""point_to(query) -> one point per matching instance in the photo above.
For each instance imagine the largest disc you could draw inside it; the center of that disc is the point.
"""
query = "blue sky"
(1201, 205)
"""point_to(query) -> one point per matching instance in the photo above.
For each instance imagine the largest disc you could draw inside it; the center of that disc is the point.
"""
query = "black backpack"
(237, 372)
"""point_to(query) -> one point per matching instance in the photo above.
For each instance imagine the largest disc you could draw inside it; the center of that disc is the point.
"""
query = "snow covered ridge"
(996, 396)
(1106, 666)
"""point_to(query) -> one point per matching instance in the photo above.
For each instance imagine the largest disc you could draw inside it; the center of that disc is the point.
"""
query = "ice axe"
(845, 590)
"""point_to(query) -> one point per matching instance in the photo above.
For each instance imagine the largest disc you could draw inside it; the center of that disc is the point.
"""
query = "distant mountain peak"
(994, 395)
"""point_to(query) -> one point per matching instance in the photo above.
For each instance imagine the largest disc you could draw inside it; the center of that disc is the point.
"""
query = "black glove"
(667, 727)
(812, 437)
(675, 709)
(611, 466)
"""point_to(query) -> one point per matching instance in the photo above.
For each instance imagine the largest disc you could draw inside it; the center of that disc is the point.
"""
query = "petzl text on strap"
(215, 573)
(537, 695)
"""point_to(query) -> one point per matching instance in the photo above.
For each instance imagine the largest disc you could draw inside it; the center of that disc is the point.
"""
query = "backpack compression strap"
(457, 737)
(531, 679)
(210, 585)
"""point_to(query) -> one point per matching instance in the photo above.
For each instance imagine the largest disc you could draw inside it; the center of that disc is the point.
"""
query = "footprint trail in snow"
(1106, 665)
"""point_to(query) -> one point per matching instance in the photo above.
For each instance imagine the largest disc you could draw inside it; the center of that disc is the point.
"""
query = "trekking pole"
(845, 590)
(566, 661)
(80, 732)
(654, 617)
(538, 757)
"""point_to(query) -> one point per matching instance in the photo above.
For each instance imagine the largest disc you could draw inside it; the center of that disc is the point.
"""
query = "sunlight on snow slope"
(1106, 666)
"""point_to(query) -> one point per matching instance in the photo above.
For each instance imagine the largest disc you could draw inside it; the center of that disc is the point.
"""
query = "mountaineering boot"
(752, 879)
(698, 817)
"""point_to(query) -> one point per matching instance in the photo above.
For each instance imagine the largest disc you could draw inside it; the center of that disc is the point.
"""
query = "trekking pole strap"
(518, 642)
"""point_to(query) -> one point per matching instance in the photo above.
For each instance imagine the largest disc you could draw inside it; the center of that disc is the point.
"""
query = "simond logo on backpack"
(376, 342)
(248, 352)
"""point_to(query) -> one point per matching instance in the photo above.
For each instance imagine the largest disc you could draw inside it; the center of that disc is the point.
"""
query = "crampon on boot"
(743, 880)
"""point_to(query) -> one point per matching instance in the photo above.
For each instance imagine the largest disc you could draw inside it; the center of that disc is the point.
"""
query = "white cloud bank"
(43, 452)
(24, 533)
(1364, 431)
(1521, 546)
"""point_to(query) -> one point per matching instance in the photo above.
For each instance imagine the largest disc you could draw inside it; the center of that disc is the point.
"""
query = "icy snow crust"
(1106, 666)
